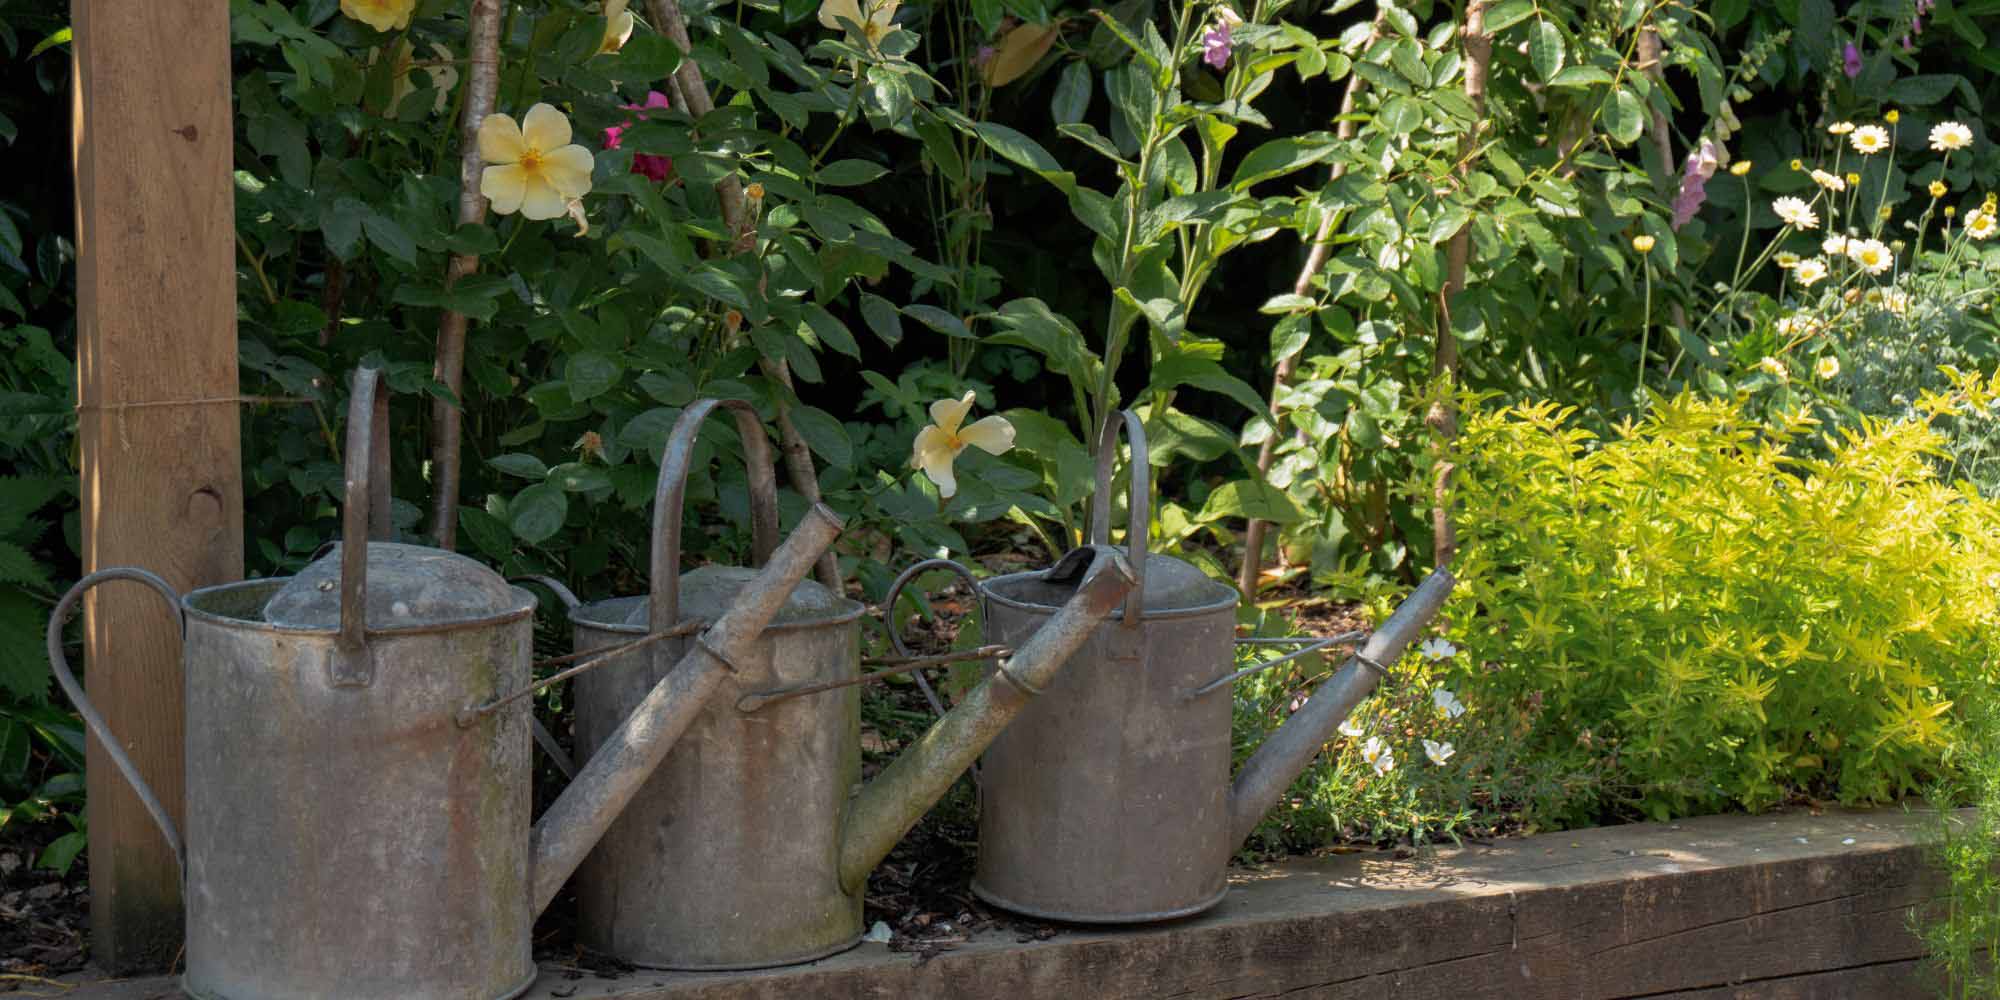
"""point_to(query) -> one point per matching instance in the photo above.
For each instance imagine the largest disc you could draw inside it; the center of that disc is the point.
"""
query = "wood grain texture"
(158, 427)
(1724, 908)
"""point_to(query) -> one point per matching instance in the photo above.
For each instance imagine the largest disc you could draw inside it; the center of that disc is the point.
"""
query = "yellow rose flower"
(532, 168)
(382, 15)
(617, 26)
(871, 16)
(940, 443)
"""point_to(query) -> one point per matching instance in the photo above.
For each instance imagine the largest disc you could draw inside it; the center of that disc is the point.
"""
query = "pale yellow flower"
(1947, 136)
(1869, 139)
(1938, 189)
(1872, 256)
(871, 16)
(1795, 213)
(1740, 167)
(1642, 243)
(532, 168)
(1808, 272)
(382, 15)
(1773, 367)
(1827, 367)
(1853, 178)
(1828, 181)
(938, 444)
(1981, 224)
(1840, 128)
(617, 26)
(1892, 116)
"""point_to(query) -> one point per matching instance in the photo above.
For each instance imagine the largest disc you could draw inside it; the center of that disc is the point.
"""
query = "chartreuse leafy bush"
(1728, 623)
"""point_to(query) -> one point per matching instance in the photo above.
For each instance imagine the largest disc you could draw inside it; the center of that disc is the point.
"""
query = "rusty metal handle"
(896, 636)
(364, 516)
(669, 496)
(1139, 514)
(552, 585)
(60, 664)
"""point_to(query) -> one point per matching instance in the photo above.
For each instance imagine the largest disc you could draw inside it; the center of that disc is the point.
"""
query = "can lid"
(1171, 584)
(709, 591)
(409, 586)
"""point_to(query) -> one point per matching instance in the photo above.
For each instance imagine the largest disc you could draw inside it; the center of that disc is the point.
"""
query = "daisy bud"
(1950, 210)
(1853, 178)
(1740, 167)
(1884, 212)
(1797, 165)
(1937, 189)
(1642, 243)
(1892, 116)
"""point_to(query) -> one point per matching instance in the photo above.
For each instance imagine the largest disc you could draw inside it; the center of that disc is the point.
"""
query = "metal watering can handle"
(896, 635)
(1139, 513)
(60, 663)
(364, 516)
(668, 498)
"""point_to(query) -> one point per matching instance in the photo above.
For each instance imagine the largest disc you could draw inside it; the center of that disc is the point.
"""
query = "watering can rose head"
(532, 167)
(940, 443)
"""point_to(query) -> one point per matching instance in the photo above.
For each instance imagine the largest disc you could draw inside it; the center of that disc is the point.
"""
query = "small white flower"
(1834, 246)
(1385, 763)
(1981, 224)
(1831, 182)
(1827, 367)
(1438, 648)
(1840, 128)
(1349, 728)
(1873, 256)
(1378, 755)
(1438, 752)
(1795, 213)
(1807, 272)
(1947, 136)
(1773, 367)
(1869, 139)
(1447, 702)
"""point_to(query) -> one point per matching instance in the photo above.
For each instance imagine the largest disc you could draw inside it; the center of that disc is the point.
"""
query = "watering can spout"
(889, 805)
(1271, 770)
(573, 825)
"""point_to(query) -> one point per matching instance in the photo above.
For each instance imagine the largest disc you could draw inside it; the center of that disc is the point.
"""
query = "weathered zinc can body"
(1107, 800)
(728, 857)
(353, 841)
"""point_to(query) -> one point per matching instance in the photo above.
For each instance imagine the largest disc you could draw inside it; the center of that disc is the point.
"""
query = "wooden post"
(157, 419)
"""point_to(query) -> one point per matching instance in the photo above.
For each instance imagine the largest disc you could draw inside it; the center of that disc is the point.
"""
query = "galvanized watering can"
(751, 845)
(357, 759)
(1110, 799)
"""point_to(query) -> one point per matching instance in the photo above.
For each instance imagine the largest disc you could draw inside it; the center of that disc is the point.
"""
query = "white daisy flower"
(1947, 136)
(1795, 213)
(1869, 139)
(1809, 272)
(1873, 256)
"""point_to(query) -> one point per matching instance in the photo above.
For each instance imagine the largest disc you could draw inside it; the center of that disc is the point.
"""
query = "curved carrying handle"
(60, 664)
(896, 635)
(364, 516)
(1139, 513)
(665, 609)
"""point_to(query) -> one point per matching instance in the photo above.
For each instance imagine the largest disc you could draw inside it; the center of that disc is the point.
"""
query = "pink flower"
(1850, 61)
(1215, 45)
(659, 168)
(1700, 167)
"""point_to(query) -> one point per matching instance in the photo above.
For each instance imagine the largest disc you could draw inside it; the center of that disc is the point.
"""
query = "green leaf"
(1507, 14)
(937, 319)
(1580, 76)
(576, 477)
(1247, 498)
(515, 463)
(1280, 157)
(849, 173)
(1202, 373)
(883, 318)
(537, 513)
(390, 235)
(1624, 117)
(1072, 97)
(1545, 49)
(831, 331)
(1922, 91)
(590, 374)
(24, 666)
(487, 532)
(824, 435)
(62, 852)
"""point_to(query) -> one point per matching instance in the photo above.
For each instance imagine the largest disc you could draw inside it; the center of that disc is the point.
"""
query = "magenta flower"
(1700, 167)
(1215, 45)
(1907, 47)
(659, 168)
(1850, 60)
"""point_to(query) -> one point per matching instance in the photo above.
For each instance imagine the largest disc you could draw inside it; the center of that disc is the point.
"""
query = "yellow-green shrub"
(1731, 622)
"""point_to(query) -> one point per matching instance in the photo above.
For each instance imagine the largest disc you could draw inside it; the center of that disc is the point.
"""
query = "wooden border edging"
(1780, 906)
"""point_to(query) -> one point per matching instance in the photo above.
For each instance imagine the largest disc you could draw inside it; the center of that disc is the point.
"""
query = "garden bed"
(1791, 905)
